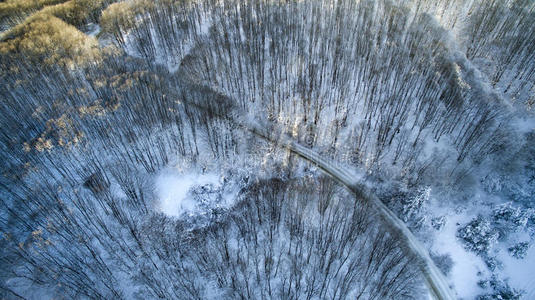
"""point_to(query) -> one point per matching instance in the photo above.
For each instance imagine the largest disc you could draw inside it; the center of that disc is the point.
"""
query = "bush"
(507, 213)
(207, 196)
(478, 235)
(410, 206)
(413, 205)
(438, 222)
(501, 290)
(493, 263)
(507, 218)
(443, 262)
(519, 250)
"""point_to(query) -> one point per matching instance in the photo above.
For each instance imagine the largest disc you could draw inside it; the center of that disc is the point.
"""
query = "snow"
(521, 272)
(469, 268)
(172, 189)
(466, 264)
(161, 55)
(525, 125)
(93, 29)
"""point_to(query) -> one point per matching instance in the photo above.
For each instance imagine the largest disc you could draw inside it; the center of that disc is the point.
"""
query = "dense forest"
(181, 149)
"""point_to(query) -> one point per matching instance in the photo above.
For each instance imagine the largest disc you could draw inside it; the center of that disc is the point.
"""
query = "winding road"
(434, 279)
(221, 106)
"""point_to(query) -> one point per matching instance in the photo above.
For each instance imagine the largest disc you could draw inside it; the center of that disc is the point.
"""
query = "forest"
(267, 149)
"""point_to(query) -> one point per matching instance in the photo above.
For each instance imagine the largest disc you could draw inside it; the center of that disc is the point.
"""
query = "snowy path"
(435, 280)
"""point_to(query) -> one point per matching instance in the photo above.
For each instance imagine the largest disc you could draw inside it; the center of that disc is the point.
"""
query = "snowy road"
(434, 279)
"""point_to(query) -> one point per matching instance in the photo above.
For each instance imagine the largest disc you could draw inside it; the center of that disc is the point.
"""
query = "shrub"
(506, 212)
(439, 222)
(507, 218)
(478, 235)
(444, 262)
(493, 263)
(519, 250)
(501, 290)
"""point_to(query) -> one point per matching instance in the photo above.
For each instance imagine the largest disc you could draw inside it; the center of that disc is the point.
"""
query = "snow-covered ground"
(192, 192)
(93, 30)
(521, 272)
(466, 265)
(469, 268)
(170, 61)
(172, 189)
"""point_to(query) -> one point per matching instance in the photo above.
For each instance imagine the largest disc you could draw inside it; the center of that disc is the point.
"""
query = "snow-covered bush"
(507, 218)
(408, 204)
(514, 215)
(519, 250)
(439, 222)
(412, 206)
(478, 235)
(444, 262)
(493, 263)
(501, 290)
(206, 195)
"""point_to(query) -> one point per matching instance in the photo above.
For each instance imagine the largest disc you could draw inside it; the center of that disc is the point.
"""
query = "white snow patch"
(170, 58)
(116, 191)
(466, 264)
(468, 268)
(172, 189)
(521, 272)
(93, 29)
(525, 125)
